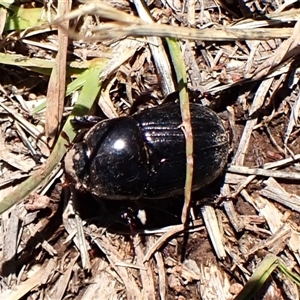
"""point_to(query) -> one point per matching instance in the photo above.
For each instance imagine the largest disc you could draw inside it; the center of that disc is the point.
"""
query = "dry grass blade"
(62, 283)
(3, 14)
(171, 232)
(282, 163)
(35, 280)
(23, 164)
(158, 52)
(256, 104)
(231, 213)
(186, 126)
(263, 172)
(128, 48)
(105, 285)
(211, 223)
(293, 119)
(115, 30)
(147, 276)
(57, 81)
(280, 54)
(133, 291)
(42, 66)
(161, 275)
(32, 129)
(275, 192)
(271, 19)
(74, 227)
(275, 243)
(101, 9)
(242, 183)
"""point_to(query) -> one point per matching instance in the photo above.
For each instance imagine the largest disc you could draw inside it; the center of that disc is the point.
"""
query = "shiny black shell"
(143, 156)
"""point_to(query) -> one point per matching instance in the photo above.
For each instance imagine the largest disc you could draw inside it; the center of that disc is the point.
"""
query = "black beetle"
(143, 155)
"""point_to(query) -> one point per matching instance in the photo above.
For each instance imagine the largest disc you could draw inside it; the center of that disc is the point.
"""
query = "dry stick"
(282, 162)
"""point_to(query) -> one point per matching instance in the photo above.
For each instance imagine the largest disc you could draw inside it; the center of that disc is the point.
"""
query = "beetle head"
(76, 161)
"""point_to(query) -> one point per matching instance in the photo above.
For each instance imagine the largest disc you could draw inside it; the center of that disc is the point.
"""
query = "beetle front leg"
(86, 121)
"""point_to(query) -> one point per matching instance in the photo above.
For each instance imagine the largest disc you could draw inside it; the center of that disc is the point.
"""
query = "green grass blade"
(72, 87)
(291, 275)
(259, 277)
(20, 18)
(180, 71)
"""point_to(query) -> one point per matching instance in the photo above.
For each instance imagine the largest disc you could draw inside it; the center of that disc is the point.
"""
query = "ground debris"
(242, 61)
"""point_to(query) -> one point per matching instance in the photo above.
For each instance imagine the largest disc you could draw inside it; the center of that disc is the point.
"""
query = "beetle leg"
(86, 121)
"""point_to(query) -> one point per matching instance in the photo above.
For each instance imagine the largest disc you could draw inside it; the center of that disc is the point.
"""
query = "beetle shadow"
(121, 215)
